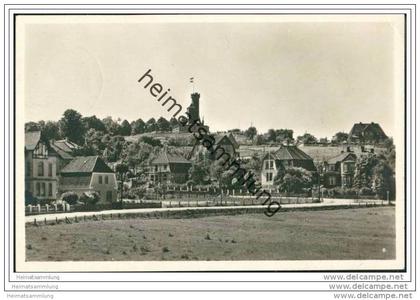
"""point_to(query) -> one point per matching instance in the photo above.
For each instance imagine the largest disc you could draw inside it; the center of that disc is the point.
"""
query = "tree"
(122, 170)
(51, 131)
(138, 127)
(125, 128)
(71, 126)
(70, 197)
(383, 180)
(271, 135)
(151, 125)
(114, 147)
(163, 125)
(260, 140)
(340, 137)
(199, 173)
(364, 171)
(307, 139)
(284, 136)
(293, 180)
(137, 154)
(93, 122)
(151, 141)
(251, 132)
(111, 126)
(90, 198)
(174, 123)
(94, 144)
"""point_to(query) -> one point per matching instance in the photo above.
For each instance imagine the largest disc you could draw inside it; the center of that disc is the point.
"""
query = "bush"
(70, 197)
(90, 198)
(30, 199)
(365, 191)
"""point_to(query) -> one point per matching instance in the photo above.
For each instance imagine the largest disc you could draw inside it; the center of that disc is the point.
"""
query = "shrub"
(365, 191)
(70, 197)
(90, 198)
(30, 199)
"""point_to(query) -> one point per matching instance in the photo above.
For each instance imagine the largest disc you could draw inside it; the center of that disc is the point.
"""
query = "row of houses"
(51, 169)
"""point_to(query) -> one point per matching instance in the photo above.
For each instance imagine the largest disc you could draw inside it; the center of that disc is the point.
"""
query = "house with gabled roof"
(339, 170)
(225, 141)
(89, 174)
(40, 169)
(65, 150)
(367, 133)
(168, 168)
(285, 157)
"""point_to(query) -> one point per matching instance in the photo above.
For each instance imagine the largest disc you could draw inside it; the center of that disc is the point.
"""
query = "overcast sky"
(314, 77)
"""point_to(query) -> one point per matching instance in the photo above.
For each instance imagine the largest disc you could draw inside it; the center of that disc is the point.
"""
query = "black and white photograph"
(210, 142)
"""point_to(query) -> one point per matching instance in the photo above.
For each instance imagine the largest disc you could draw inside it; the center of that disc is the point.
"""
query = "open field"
(364, 233)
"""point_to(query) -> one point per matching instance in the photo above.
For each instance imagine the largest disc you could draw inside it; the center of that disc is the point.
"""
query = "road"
(71, 215)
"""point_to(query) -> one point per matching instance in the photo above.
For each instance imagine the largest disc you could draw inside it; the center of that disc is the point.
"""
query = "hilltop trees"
(307, 139)
(125, 128)
(71, 126)
(138, 127)
(251, 132)
(340, 137)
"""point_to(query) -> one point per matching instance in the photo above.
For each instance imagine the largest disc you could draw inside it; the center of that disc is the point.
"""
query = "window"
(38, 189)
(109, 195)
(106, 179)
(345, 168)
(50, 189)
(269, 176)
(40, 168)
(50, 169)
(331, 167)
(269, 164)
(331, 180)
(43, 189)
(100, 179)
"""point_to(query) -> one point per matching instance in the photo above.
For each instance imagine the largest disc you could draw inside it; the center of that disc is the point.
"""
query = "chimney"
(362, 148)
(372, 150)
(348, 149)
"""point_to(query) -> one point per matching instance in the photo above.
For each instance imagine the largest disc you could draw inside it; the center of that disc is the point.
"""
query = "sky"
(316, 77)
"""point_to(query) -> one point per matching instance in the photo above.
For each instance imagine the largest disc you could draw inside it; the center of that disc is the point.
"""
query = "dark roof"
(169, 158)
(219, 137)
(32, 139)
(66, 145)
(290, 152)
(63, 154)
(340, 157)
(86, 164)
(359, 128)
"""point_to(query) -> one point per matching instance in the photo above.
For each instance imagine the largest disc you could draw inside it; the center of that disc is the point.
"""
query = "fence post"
(39, 207)
(47, 207)
(30, 208)
(55, 207)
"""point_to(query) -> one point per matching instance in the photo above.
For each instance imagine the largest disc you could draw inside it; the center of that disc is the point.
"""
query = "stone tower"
(194, 108)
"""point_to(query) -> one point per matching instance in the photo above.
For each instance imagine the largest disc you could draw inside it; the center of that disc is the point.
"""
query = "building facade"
(285, 157)
(86, 174)
(339, 170)
(168, 168)
(40, 169)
